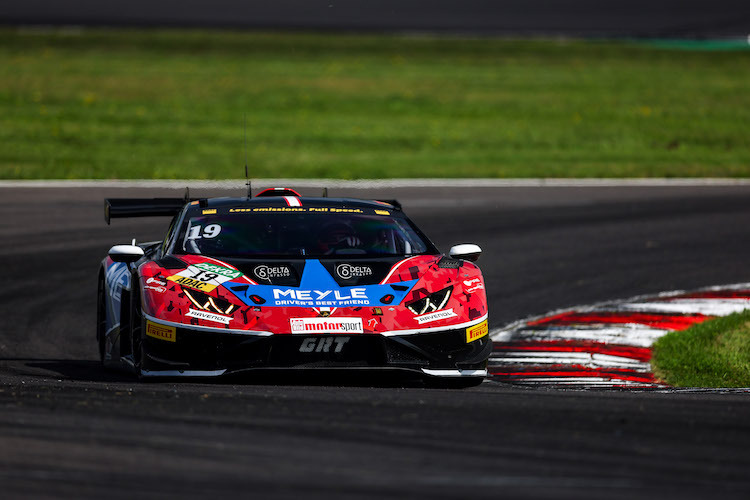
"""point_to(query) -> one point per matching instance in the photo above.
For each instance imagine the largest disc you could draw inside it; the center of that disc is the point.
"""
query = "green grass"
(715, 353)
(170, 104)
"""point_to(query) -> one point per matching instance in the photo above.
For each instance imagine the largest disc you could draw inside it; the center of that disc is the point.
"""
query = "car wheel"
(101, 320)
(136, 328)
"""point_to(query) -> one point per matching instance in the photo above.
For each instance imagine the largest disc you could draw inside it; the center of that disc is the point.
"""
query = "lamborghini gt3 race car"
(284, 281)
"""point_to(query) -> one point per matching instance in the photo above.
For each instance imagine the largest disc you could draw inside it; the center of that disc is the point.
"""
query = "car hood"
(267, 295)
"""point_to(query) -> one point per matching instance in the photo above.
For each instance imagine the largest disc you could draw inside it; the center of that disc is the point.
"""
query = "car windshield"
(308, 234)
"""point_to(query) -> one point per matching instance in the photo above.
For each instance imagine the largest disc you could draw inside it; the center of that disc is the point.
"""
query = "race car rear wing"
(142, 207)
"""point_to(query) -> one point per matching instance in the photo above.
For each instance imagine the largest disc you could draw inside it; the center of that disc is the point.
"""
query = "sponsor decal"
(159, 289)
(221, 270)
(323, 344)
(331, 210)
(318, 289)
(473, 285)
(326, 325)
(268, 273)
(155, 281)
(204, 276)
(320, 298)
(209, 211)
(348, 271)
(435, 316)
(203, 286)
(324, 311)
(117, 278)
(382, 212)
(476, 332)
(162, 332)
(208, 316)
(372, 323)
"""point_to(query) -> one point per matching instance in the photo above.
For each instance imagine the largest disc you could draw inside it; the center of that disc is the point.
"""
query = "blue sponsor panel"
(318, 289)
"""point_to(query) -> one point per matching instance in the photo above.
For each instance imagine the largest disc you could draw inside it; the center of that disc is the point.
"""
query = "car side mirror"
(466, 251)
(125, 253)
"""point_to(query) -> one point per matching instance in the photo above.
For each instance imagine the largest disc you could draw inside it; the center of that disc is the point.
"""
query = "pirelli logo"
(162, 332)
(476, 332)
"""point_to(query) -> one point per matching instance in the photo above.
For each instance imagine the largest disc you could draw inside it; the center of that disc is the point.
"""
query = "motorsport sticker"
(268, 273)
(209, 316)
(326, 325)
(204, 276)
(348, 271)
(476, 332)
(435, 316)
(161, 332)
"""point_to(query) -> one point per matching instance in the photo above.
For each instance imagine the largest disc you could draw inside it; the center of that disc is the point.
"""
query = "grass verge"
(715, 353)
(170, 104)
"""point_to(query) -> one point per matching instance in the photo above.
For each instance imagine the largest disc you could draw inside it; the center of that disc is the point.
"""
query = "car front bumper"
(209, 352)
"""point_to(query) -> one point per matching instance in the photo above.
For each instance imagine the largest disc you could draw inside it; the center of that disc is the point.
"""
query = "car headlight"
(433, 302)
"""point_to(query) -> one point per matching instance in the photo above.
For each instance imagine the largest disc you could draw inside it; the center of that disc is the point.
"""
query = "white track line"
(708, 307)
(369, 183)
(591, 360)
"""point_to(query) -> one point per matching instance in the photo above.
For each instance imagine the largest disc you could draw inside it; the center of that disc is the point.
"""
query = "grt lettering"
(323, 345)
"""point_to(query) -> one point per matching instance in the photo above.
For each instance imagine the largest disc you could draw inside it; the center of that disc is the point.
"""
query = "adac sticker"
(476, 332)
(318, 289)
(162, 332)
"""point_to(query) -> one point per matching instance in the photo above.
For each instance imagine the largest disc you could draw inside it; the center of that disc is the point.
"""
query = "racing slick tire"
(101, 319)
(136, 329)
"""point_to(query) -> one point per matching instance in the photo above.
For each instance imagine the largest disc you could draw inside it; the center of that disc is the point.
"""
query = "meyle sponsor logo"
(162, 332)
(321, 298)
(348, 271)
(477, 331)
(209, 316)
(326, 325)
(473, 285)
(323, 344)
(155, 281)
(435, 316)
(270, 272)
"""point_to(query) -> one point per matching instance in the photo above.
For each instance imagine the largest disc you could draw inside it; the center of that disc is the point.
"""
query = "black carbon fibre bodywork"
(214, 351)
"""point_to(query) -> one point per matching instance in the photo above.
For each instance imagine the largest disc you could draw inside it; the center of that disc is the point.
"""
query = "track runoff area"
(605, 344)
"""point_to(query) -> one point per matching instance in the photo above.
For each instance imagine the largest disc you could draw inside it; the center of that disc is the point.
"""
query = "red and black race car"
(291, 282)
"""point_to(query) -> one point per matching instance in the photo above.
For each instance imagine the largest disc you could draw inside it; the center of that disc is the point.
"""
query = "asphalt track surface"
(581, 18)
(70, 429)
